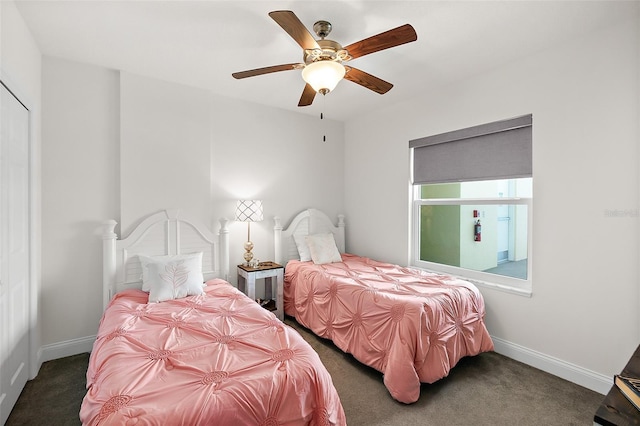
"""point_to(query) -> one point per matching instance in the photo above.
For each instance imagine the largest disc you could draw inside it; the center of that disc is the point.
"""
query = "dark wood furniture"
(616, 410)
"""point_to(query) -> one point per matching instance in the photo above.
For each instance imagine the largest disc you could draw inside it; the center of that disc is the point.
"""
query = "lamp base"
(248, 255)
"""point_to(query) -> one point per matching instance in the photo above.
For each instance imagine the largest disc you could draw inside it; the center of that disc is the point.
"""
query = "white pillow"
(323, 248)
(303, 247)
(145, 261)
(172, 277)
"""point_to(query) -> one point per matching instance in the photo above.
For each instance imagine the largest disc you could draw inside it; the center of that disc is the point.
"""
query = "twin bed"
(172, 351)
(409, 324)
(201, 354)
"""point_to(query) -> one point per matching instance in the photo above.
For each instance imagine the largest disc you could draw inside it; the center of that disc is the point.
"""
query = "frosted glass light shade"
(323, 75)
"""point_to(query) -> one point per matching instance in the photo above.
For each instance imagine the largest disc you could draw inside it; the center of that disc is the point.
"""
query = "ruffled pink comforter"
(214, 359)
(411, 325)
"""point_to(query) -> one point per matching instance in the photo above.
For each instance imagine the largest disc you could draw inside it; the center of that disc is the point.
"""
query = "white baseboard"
(581, 376)
(67, 348)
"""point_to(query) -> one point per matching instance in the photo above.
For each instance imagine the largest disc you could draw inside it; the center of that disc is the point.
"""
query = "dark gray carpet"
(54, 396)
(488, 389)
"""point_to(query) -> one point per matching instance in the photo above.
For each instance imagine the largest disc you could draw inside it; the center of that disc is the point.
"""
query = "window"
(446, 216)
(474, 221)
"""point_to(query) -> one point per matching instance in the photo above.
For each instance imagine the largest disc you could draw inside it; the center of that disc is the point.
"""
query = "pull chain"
(324, 125)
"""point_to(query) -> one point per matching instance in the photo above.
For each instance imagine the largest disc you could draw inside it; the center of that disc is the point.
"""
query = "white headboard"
(307, 222)
(167, 232)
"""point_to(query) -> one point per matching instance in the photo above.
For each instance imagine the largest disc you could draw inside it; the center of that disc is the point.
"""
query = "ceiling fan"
(323, 66)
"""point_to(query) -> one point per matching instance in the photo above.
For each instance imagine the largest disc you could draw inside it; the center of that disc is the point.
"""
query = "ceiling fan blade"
(392, 38)
(308, 94)
(267, 70)
(292, 25)
(369, 81)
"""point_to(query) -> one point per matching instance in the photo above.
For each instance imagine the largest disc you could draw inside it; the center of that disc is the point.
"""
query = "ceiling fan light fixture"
(322, 58)
(323, 76)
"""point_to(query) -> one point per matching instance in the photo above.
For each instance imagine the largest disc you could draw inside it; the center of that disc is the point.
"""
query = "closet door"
(14, 250)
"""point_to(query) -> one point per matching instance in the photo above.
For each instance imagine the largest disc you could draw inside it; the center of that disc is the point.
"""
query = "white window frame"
(481, 279)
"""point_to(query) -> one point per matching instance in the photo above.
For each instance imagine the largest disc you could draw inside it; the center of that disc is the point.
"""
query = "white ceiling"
(200, 43)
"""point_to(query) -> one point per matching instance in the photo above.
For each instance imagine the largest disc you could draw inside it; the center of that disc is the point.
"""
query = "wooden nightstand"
(247, 277)
(616, 409)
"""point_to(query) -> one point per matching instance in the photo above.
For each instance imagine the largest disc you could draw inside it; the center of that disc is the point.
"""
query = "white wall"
(182, 147)
(164, 128)
(583, 95)
(19, 55)
(79, 191)
(120, 146)
(20, 71)
(279, 157)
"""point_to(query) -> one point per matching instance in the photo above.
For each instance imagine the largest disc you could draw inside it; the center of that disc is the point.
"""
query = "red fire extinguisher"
(477, 231)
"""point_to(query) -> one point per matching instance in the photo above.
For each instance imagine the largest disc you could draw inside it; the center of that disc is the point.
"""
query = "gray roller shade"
(498, 150)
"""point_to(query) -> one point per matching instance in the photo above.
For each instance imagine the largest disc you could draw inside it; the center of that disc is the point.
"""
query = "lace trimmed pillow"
(172, 277)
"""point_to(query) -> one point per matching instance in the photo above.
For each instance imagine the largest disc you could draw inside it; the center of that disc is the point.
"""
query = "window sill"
(518, 289)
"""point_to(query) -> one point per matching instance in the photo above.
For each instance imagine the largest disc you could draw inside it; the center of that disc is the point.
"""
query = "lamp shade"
(323, 75)
(249, 210)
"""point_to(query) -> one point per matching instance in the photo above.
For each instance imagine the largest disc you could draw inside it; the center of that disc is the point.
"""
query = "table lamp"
(248, 211)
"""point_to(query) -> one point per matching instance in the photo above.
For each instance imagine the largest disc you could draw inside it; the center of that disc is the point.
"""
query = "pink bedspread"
(213, 359)
(411, 325)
